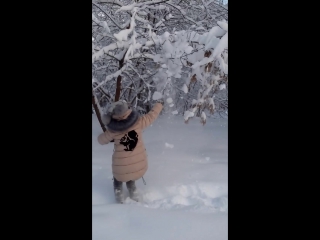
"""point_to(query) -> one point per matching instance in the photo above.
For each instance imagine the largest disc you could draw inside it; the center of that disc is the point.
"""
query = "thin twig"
(107, 15)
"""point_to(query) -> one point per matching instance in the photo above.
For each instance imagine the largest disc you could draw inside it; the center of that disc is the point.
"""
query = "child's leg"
(132, 190)
(117, 185)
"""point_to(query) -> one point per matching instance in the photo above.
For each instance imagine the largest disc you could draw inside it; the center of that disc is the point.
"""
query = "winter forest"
(175, 50)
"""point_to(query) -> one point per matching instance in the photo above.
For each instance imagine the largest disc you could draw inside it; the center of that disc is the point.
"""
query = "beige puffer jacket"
(129, 159)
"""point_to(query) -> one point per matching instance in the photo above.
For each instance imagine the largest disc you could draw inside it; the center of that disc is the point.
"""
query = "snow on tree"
(176, 49)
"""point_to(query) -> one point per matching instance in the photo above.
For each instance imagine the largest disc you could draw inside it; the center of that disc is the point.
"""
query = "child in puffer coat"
(129, 159)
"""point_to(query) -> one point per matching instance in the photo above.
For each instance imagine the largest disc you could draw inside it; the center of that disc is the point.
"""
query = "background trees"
(178, 49)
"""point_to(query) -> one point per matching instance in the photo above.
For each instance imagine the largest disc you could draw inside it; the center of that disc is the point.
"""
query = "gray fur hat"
(116, 110)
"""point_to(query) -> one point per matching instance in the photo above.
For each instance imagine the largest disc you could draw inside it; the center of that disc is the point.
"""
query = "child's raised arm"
(148, 119)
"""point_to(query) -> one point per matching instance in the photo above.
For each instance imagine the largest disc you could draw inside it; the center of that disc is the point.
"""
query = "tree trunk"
(118, 90)
(119, 78)
(96, 109)
(139, 94)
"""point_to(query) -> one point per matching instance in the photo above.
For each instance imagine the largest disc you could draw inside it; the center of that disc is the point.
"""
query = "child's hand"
(160, 101)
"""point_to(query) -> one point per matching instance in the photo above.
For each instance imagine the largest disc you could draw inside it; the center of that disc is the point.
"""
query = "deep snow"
(186, 195)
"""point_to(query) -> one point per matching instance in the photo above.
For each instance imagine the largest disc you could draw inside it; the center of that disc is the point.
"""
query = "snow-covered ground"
(186, 191)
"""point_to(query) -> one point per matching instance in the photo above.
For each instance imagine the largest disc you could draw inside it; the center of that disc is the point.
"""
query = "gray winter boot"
(118, 191)
(133, 193)
(119, 195)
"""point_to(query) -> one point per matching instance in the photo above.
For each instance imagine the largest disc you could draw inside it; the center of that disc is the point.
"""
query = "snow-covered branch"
(110, 47)
(133, 5)
(182, 12)
(111, 76)
(111, 18)
(176, 48)
(116, 2)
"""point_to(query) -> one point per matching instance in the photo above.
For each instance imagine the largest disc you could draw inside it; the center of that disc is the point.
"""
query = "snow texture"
(203, 116)
(222, 86)
(174, 112)
(187, 115)
(126, 8)
(123, 34)
(223, 44)
(223, 25)
(185, 88)
(169, 100)
(188, 49)
(103, 23)
(186, 191)
(168, 145)
(157, 96)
